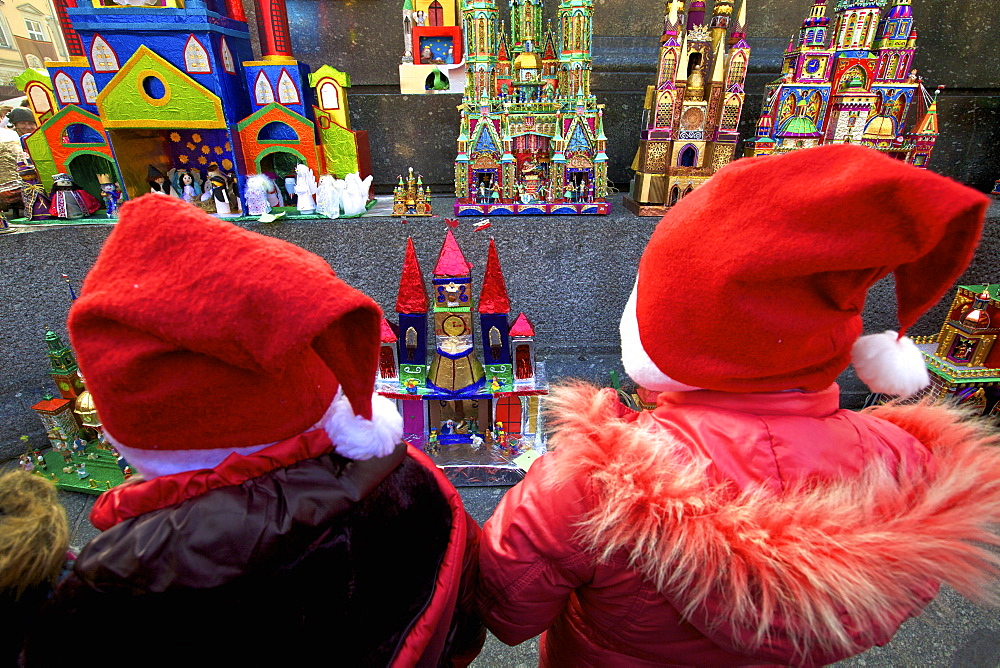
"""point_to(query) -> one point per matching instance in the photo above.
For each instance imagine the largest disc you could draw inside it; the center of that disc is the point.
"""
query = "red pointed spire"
(493, 298)
(412, 296)
(388, 336)
(522, 326)
(451, 262)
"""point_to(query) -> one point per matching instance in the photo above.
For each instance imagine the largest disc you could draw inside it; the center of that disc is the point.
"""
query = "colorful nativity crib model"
(474, 411)
(172, 85)
(692, 112)
(531, 139)
(852, 83)
(963, 358)
(81, 458)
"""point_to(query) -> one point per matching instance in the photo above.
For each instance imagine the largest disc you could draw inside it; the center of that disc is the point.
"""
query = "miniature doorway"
(509, 411)
(84, 168)
(487, 185)
(688, 157)
(456, 421)
(436, 80)
(281, 163)
(578, 181)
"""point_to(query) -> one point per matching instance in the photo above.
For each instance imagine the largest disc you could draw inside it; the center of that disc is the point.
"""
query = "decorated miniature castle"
(691, 114)
(411, 197)
(856, 87)
(531, 139)
(81, 460)
(432, 47)
(172, 85)
(467, 407)
(963, 358)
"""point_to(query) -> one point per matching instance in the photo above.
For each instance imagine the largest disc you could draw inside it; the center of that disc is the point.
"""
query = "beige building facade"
(29, 37)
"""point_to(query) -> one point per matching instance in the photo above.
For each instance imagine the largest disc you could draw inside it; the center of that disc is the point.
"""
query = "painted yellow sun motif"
(218, 150)
(190, 145)
(183, 159)
(175, 137)
(202, 160)
(228, 146)
(227, 164)
(206, 150)
(196, 138)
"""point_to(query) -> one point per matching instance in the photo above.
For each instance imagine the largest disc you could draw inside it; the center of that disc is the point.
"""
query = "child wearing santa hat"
(747, 519)
(279, 516)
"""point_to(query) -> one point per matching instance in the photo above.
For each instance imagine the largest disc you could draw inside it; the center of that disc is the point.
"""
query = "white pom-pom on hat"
(890, 364)
(357, 438)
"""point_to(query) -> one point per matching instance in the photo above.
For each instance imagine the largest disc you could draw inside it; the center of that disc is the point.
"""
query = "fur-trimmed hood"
(827, 568)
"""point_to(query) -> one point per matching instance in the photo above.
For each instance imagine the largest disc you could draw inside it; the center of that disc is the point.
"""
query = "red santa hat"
(199, 339)
(755, 282)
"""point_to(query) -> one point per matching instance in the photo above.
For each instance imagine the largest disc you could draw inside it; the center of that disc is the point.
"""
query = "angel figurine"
(256, 195)
(305, 188)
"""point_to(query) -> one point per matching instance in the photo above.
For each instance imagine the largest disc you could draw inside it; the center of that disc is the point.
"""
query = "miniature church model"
(531, 139)
(453, 395)
(158, 86)
(852, 84)
(691, 114)
(963, 358)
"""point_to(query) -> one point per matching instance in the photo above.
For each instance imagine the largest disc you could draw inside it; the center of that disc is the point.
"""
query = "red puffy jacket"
(736, 529)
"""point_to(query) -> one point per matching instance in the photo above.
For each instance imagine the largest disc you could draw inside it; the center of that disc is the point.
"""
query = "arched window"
(435, 13)
(227, 58)
(262, 91)
(287, 92)
(737, 69)
(664, 110)
(66, 89)
(668, 65)
(675, 194)
(196, 57)
(103, 56)
(78, 133)
(40, 101)
(276, 131)
(688, 156)
(328, 96)
(89, 88)
(731, 114)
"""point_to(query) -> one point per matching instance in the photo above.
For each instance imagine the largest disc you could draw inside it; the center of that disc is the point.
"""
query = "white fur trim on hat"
(155, 463)
(889, 364)
(637, 363)
(352, 436)
(357, 438)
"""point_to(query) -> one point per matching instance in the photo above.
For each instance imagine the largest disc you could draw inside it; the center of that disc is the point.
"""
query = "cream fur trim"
(352, 436)
(637, 363)
(889, 364)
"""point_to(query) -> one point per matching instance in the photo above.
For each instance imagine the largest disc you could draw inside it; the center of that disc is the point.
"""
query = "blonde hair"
(34, 533)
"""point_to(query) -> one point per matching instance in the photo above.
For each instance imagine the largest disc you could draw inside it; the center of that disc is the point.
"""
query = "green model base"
(102, 471)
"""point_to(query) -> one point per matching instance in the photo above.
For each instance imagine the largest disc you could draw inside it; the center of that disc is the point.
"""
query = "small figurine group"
(333, 197)
(218, 196)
